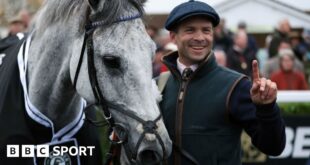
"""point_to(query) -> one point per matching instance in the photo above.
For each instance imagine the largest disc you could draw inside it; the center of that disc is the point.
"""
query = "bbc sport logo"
(43, 151)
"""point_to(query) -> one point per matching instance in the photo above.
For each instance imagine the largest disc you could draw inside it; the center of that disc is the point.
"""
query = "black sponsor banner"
(297, 149)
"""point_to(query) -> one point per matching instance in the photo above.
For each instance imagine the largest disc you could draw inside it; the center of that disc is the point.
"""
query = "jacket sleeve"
(263, 123)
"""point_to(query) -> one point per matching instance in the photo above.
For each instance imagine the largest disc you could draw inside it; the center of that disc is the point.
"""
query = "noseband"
(148, 126)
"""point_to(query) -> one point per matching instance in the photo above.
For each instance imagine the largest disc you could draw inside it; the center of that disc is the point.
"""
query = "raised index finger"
(255, 70)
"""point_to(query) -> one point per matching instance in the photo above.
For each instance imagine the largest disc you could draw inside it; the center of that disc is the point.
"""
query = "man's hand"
(263, 90)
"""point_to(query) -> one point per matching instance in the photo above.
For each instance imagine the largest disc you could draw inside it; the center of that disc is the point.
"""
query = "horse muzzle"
(150, 157)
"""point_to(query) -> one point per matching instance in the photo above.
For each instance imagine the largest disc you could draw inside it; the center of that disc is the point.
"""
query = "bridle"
(149, 126)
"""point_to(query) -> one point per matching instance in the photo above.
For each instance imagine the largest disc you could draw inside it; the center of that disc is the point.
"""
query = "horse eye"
(121, 132)
(112, 62)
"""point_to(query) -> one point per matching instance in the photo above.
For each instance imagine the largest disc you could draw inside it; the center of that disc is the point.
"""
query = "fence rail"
(293, 96)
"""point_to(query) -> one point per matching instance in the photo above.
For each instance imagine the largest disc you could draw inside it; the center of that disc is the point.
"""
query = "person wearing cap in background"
(205, 107)
(16, 25)
(287, 78)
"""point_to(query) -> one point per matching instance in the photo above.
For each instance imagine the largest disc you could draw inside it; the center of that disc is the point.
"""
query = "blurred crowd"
(285, 58)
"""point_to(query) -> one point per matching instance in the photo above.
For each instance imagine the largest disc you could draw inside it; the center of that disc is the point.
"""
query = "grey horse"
(54, 65)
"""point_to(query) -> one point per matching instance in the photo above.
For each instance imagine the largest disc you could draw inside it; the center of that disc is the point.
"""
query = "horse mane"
(61, 10)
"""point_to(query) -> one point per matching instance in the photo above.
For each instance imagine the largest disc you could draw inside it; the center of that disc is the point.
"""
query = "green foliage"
(102, 129)
(295, 108)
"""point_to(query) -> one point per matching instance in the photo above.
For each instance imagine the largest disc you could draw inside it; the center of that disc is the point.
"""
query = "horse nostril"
(149, 157)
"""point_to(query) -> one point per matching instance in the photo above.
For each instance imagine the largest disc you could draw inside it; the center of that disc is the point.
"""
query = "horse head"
(111, 65)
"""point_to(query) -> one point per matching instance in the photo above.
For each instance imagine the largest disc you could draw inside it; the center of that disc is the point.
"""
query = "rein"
(148, 126)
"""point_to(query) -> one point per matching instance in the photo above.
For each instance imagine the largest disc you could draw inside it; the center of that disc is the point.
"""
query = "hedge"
(295, 108)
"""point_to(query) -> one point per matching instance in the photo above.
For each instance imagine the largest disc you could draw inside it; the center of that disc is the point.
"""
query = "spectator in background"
(280, 33)
(287, 78)
(25, 17)
(16, 25)
(272, 65)
(240, 57)
(300, 47)
(252, 45)
(306, 38)
(220, 57)
(262, 53)
(169, 47)
(222, 37)
(162, 38)
(158, 66)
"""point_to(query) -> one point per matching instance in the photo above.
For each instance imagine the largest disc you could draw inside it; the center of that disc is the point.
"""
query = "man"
(240, 55)
(222, 37)
(242, 26)
(280, 33)
(16, 26)
(206, 109)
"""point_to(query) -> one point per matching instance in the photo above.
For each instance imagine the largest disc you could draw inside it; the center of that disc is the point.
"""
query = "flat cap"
(188, 9)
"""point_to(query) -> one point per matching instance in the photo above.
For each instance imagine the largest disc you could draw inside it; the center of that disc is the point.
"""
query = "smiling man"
(205, 107)
(194, 39)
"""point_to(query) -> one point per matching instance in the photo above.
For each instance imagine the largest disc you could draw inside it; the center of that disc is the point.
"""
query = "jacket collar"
(206, 66)
(182, 67)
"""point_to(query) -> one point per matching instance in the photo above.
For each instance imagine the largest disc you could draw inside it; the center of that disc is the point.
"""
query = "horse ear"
(93, 3)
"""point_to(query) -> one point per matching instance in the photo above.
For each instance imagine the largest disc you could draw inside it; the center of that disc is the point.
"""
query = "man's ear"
(172, 36)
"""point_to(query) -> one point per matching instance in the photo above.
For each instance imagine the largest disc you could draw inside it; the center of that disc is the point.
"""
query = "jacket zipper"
(179, 111)
(179, 118)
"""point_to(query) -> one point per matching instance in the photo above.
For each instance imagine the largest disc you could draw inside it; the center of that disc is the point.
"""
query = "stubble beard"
(193, 59)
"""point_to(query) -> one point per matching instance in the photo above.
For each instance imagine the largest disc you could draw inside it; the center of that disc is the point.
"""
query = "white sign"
(297, 143)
